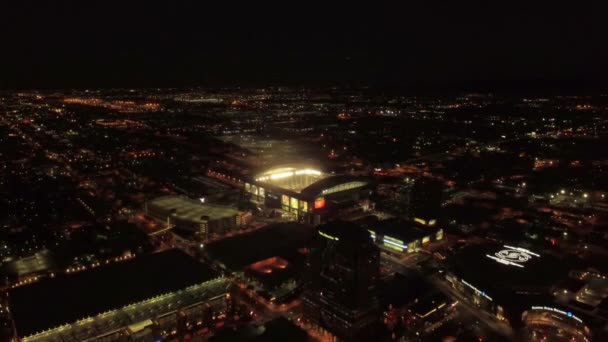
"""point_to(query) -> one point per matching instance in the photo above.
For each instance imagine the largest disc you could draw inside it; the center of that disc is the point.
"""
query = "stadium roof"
(316, 188)
(66, 299)
(287, 167)
(192, 210)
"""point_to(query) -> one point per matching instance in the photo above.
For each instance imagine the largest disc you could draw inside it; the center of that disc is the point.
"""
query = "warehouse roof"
(66, 299)
(192, 210)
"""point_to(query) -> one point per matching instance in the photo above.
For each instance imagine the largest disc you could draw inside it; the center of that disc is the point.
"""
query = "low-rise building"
(151, 296)
(398, 236)
(196, 216)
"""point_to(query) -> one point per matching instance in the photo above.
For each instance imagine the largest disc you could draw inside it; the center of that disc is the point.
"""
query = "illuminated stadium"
(305, 191)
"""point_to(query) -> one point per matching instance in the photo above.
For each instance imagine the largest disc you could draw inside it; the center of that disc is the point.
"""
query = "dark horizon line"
(519, 85)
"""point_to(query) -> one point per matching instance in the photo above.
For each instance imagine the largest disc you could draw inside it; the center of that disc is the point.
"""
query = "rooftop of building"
(404, 230)
(281, 239)
(429, 304)
(402, 289)
(38, 262)
(513, 276)
(192, 210)
(536, 269)
(279, 329)
(571, 284)
(326, 185)
(68, 298)
(345, 231)
(272, 271)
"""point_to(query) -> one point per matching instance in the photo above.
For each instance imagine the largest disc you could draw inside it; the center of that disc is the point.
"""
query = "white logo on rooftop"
(513, 256)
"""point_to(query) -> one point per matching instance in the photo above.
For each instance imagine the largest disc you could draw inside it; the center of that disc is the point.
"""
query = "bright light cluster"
(394, 242)
(308, 172)
(286, 174)
(281, 175)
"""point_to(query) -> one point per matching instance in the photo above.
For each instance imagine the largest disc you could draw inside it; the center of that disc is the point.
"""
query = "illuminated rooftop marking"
(513, 256)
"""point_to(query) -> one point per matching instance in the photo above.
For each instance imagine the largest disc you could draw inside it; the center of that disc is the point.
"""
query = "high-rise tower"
(341, 280)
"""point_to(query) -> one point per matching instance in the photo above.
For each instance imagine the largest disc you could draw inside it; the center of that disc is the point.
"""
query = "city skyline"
(218, 172)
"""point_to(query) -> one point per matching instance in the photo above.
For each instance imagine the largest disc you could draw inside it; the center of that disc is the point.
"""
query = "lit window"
(294, 203)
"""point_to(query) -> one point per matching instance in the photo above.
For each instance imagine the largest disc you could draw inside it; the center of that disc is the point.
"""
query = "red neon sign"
(319, 203)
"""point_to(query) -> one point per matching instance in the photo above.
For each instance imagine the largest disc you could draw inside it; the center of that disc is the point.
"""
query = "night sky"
(49, 44)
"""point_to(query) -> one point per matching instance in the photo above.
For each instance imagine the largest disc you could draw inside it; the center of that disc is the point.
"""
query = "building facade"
(341, 283)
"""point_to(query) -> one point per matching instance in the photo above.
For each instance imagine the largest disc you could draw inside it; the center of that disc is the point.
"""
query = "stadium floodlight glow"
(281, 175)
(308, 172)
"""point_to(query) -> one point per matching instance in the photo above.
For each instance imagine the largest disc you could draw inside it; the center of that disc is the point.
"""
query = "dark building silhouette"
(341, 281)
(426, 198)
(403, 197)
